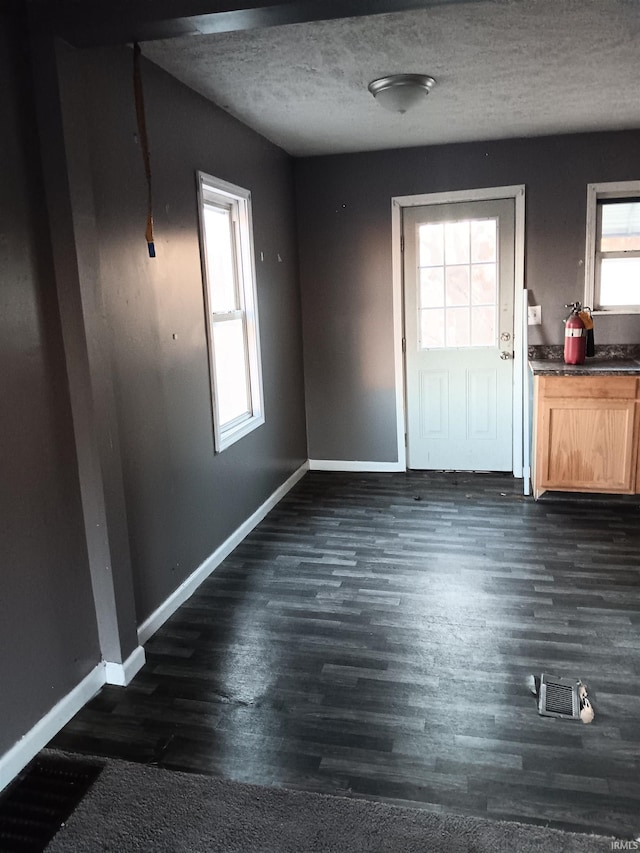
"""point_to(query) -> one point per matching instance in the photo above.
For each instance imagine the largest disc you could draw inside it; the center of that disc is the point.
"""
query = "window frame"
(237, 200)
(597, 193)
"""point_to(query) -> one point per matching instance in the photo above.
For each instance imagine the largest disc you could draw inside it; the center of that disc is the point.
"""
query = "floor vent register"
(558, 697)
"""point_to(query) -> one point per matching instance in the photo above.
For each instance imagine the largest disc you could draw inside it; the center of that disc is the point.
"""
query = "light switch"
(534, 315)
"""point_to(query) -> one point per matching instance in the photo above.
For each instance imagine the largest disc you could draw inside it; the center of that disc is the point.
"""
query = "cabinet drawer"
(589, 387)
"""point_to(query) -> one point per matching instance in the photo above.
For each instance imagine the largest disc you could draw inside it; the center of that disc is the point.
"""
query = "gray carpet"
(134, 808)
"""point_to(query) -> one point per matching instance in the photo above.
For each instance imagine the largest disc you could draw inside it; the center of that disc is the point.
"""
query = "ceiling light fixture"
(400, 92)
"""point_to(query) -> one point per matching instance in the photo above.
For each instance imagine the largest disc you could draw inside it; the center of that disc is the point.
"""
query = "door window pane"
(431, 241)
(457, 288)
(457, 327)
(231, 369)
(483, 240)
(483, 284)
(456, 241)
(483, 326)
(432, 287)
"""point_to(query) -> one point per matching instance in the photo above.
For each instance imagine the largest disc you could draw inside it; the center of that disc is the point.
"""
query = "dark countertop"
(597, 366)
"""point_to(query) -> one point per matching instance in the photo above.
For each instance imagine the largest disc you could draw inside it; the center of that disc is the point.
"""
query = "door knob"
(506, 355)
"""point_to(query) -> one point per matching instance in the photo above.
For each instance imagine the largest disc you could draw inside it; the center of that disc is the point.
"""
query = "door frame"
(516, 192)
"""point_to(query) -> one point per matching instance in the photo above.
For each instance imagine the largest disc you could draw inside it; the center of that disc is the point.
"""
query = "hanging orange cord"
(144, 144)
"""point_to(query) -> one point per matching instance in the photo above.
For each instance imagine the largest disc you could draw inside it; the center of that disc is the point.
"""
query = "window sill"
(230, 436)
(621, 310)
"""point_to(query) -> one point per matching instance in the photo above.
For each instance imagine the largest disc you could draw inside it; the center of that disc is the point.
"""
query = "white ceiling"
(504, 68)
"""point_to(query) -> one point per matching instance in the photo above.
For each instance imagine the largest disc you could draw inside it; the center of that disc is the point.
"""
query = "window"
(228, 269)
(458, 273)
(613, 248)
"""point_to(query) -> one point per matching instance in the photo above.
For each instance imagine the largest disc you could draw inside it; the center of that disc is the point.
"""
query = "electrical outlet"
(534, 315)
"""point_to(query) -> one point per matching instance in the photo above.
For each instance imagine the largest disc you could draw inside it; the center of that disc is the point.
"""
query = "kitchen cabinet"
(586, 434)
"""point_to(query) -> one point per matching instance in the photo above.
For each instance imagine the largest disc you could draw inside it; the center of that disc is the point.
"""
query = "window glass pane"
(231, 370)
(431, 240)
(620, 281)
(620, 226)
(432, 287)
(483, 326)
(456, 241)
(457, 289)
(483, 240)
(219, 249)
(457, 327)
(483, 284)
(432, 328)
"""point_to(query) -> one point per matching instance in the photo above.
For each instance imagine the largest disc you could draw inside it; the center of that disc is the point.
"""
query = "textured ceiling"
(504, 68)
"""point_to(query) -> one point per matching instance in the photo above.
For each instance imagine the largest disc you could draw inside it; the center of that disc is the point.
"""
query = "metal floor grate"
(41, 799)
(558, 697)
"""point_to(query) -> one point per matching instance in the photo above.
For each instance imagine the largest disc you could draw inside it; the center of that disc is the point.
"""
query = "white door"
(458, 292)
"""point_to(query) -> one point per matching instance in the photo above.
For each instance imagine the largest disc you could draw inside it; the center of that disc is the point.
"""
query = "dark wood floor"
(373, 636)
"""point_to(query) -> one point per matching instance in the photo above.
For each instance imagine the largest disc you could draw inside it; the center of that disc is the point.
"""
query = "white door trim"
(516, 192)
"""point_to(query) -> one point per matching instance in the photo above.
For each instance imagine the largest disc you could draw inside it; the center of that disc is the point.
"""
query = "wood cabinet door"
(587, 445)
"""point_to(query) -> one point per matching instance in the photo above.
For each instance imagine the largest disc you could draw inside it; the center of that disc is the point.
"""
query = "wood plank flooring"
(372, 638)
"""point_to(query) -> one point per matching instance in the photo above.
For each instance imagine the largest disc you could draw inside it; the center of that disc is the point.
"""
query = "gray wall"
(344, 229)
(182, 500)
(48, 634)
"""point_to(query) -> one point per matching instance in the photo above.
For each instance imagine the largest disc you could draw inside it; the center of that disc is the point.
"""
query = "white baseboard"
(109, 672)
(13, 761)
(342, 465)
(189, 586)
(123, 673)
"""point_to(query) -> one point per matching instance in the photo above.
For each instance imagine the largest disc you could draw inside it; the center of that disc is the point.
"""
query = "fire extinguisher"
(575, 336)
